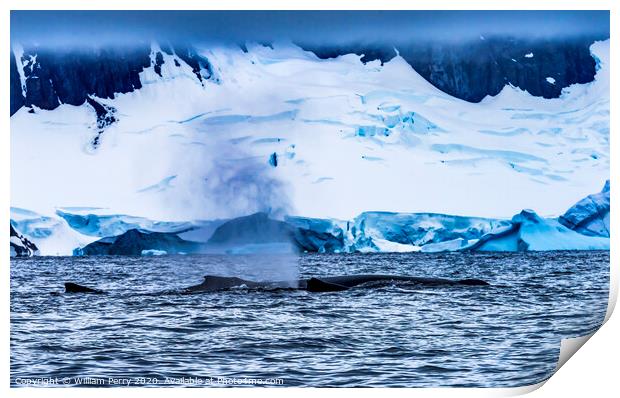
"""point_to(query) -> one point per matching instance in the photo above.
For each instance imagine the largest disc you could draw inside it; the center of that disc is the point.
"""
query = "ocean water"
(143, 332)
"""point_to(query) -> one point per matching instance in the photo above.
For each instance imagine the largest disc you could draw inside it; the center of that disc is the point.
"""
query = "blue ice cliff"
(589, 216)
(585, 226)
(531, 232)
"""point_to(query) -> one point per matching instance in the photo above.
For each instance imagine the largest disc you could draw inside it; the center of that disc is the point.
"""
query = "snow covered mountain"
(471, 70)
(475, 69)
(179, 134)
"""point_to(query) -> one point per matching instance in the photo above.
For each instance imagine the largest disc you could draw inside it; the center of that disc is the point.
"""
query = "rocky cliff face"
(17, 98)
(46, 77)
(21, 246)
(53, 77)
(474, 69)
(470, 70)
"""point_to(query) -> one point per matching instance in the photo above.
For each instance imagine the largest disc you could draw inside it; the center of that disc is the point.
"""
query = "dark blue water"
(507, 334)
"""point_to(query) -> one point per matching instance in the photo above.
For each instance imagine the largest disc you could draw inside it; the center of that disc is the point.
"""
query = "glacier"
(369, 232)
(52, 235)
(506, 153)
(90, 223)
(371, 135)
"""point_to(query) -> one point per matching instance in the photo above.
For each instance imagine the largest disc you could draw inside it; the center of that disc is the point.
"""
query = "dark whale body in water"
(213, 283)
(71, 287)
(324, 284)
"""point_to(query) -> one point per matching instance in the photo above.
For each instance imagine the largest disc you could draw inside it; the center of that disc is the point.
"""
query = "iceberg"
(531, 232)
(153, 252)
(590, 216)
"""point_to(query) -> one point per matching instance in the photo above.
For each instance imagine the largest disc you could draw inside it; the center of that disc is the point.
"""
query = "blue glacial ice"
(418, 229)
(116, 224)
(529, 231)
(319, 235)
(585, 226)
(590, 216)
(153, 252)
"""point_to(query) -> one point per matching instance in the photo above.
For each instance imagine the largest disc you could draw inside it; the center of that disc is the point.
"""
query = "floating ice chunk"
(550, 80)
(529, 55)
(153, 252)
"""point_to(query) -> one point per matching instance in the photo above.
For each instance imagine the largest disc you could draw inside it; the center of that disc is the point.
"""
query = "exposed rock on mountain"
(473, 69)
(468, 70)
(46, 78)
(20, 246)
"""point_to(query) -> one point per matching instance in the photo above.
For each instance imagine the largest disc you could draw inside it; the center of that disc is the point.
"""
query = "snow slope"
(348, 137)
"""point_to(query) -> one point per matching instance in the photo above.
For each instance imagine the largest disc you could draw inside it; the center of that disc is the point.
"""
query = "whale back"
(214, 283)
(71, 287)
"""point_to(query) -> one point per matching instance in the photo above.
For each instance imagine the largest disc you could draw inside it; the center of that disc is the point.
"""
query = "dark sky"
(316, 27)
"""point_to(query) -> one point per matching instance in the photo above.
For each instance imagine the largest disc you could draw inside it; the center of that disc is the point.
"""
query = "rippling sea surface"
(506, 334)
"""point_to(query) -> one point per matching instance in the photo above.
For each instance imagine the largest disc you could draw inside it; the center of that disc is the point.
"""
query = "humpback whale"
(71, 287)
(214, 283)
